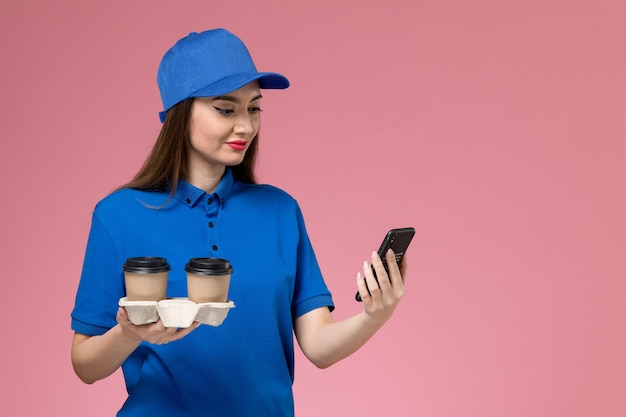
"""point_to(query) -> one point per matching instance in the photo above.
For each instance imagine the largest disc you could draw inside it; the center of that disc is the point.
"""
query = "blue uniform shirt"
(245, 367)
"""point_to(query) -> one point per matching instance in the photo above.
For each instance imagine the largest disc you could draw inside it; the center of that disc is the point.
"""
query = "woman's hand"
(325, 342)
(383, 296)
(155, 333)
(96, 357)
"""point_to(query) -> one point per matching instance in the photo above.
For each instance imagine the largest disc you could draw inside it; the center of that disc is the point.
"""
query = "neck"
(206, 179)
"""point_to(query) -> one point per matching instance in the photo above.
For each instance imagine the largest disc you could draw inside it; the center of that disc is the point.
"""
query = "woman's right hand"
(96, 357)
(155, 333)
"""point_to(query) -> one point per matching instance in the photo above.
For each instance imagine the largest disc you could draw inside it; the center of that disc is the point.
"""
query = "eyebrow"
(234, 99)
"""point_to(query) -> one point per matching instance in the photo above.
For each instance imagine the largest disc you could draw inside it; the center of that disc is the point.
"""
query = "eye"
(255, 110)
(224, 112)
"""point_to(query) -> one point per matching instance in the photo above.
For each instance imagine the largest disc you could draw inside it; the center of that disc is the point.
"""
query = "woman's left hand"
(384, 294)
(325, 341)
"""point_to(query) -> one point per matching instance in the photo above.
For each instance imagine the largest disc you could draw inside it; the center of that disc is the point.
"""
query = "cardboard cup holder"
(176, 312)
(140, 312)
(213, 314)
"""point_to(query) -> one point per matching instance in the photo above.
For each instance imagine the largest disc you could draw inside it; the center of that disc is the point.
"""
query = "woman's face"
(222, 128)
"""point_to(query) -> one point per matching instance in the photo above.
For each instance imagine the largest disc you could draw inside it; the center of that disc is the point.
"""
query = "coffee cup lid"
(146, 265)
(209, 266)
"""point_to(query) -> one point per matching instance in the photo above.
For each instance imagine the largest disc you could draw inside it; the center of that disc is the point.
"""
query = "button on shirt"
(243, 367)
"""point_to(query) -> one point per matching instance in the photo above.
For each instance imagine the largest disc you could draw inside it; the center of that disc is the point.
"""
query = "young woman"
(196, 196)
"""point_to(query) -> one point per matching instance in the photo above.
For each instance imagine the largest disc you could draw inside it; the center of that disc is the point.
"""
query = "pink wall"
(496, 129)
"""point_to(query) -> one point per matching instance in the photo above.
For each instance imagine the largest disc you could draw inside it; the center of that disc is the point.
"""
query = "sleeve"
(310, 290)
(101, 284)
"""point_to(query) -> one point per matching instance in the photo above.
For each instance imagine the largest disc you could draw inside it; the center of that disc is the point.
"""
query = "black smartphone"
(398, 241)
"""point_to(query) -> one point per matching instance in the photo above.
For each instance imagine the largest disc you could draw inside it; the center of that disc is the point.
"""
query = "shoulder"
(266, 201)
(265, 192)
(127, 199)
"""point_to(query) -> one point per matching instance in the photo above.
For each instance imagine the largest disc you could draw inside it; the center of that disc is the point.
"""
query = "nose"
(245, 125)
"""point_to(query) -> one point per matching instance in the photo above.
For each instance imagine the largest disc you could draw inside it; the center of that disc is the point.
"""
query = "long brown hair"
(167, 162)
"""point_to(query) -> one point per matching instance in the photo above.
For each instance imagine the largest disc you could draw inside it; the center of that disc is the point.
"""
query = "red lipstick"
(238, 145)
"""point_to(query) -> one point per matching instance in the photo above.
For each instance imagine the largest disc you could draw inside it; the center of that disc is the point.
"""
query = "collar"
(189, 195)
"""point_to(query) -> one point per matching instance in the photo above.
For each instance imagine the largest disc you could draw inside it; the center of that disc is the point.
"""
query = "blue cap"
(209, 64)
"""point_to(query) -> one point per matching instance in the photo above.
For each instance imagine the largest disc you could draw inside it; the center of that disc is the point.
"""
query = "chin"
(234, 163)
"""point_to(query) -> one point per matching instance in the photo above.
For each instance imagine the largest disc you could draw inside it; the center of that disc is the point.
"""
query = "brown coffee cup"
(208, 280)
(146, 278)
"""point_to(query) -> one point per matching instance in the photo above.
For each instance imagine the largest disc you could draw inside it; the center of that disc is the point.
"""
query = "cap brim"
(267, 80)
